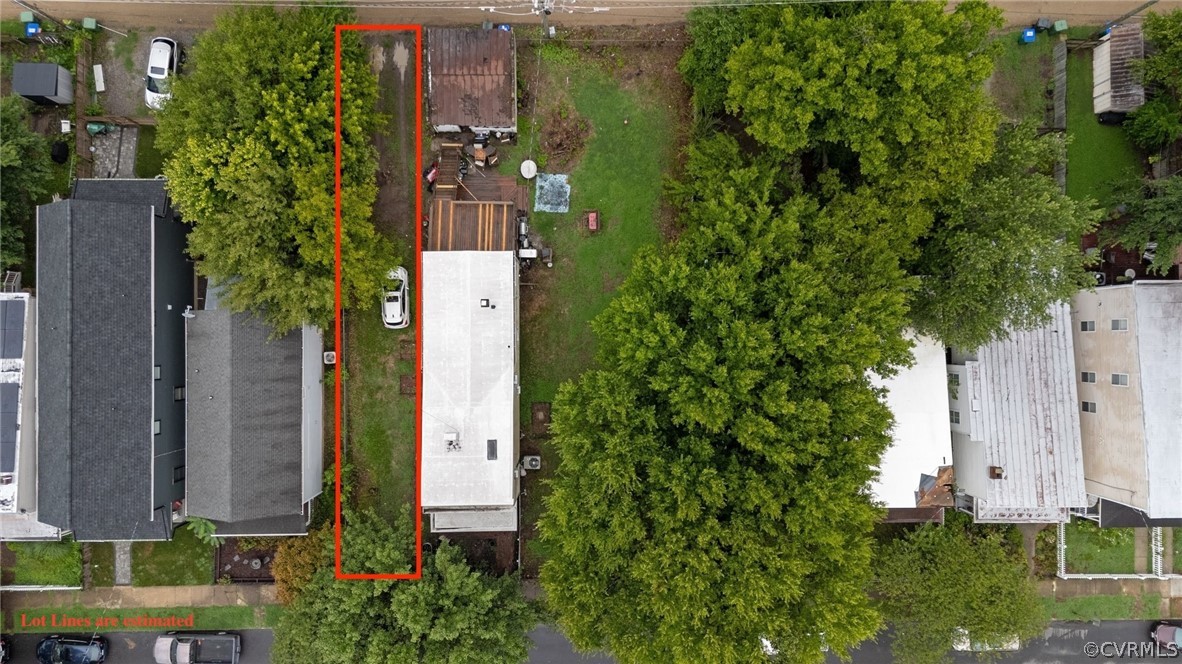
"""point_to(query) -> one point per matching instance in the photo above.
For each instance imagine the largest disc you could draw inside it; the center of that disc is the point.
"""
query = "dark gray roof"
(94, 388)
(35, 79)
(139, 192)
(243, 395)
(9, 404)
(291, 524)
(1116, 515)
(12, 329)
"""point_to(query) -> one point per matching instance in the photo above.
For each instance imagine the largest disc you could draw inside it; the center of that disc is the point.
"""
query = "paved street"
(551, 647)
(136, 647)
(1063, 643)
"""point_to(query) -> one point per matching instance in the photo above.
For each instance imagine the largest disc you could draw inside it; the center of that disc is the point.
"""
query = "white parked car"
(163, 60)
(394, 307)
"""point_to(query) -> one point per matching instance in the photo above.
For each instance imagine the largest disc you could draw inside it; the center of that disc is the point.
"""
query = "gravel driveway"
(124, 61)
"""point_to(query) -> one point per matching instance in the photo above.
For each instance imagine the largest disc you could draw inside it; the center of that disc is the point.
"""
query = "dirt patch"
(406, 384)
(124, 61)
(540, 418)
(565, 135)
(536, 285)
(406, 349)
(395, 139)
(241, 564)
(493, 553)
(611, 282)
(7, 566)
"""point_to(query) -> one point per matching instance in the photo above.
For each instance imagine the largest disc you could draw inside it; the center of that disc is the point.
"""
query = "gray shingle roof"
(243, 395)
(139, 192)
(94, 387)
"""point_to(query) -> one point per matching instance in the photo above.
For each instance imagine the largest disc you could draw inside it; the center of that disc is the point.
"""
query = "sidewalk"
(127, 597)
(1169, 590)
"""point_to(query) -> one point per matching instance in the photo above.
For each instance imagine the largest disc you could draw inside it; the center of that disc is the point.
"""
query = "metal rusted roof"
(1115, 86)
(472, 78)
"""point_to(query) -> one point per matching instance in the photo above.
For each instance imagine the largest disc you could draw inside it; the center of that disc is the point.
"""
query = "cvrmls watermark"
(1130, 650)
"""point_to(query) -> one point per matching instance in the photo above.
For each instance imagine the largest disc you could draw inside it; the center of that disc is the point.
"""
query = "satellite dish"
(528, 169)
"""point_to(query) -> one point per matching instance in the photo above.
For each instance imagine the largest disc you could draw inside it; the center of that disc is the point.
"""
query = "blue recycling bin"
(32, 29)
(1028, 36)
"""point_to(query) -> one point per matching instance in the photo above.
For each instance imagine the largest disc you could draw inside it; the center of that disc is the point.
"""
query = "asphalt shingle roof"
(94, 388)
(243, 395)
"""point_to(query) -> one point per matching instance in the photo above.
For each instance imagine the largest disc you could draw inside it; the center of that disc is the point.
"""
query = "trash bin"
(1042, 24)
(1058, 27)
(1028, 35)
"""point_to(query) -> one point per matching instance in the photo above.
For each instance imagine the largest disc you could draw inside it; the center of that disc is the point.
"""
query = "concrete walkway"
(127, 597)
(123, 563)
(1169, 591)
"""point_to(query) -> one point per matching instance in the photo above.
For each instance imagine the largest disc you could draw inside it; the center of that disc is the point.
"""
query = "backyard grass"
(102, 564)
(148, 161)
(183, 561)
(1020, 76)
(205, 618)
(1092, 607)
(1099, 157)
(45, 564)
(1091, 550)
(620, 175)
(380, 420)
(628, 154)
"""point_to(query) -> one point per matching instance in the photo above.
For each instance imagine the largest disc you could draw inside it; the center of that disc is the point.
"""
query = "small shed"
(1115, 88)
(43, 83)
(472, 80)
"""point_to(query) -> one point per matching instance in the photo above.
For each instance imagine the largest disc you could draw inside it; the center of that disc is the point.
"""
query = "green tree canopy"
(1004, 247)
(1159, 122)
(899, 86)
(941, 579)
(692, 514)
(249, 145)
(1154, 209)
(453, 615)
(24, 177)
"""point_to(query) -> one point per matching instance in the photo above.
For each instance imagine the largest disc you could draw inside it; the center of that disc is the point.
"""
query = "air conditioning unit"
(531, 462)
(330, 357)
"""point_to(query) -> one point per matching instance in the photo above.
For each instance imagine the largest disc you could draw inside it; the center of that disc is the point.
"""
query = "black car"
(72, 650)
(5, 649)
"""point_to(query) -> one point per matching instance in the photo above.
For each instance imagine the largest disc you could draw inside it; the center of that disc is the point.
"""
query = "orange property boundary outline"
(417, 514)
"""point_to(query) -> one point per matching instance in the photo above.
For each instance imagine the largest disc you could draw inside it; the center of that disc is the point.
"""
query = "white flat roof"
(469, 378)
(922, 436)
(1159, 342)
(502, 519)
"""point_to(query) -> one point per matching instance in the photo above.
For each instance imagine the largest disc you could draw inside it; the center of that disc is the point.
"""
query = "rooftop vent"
(492, 450)
(484, 302)
(997, 473)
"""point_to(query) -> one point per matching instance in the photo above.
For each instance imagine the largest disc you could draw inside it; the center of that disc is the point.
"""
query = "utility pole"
(544, 8)
(1136, 11)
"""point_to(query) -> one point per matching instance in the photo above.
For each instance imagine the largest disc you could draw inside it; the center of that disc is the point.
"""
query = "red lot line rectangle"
(417, 514)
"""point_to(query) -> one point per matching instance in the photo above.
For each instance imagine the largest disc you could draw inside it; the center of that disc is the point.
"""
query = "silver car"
(163, 59)
(394, 307)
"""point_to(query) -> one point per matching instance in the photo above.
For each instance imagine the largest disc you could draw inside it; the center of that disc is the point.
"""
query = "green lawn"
(1093, 607)
(205, 618)
(1021, 75)
(46, 563)
(148, 161)
(1091, 550)
(620, 175)
(102, 564)
(183, 561)
(1098, 156)
(381, 421)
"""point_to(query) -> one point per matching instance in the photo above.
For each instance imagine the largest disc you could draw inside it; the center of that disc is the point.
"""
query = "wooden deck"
(471, 226)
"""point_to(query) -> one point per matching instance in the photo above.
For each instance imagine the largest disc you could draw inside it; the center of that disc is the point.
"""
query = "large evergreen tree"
(939, 583)
(24, 178)
(1004, 246)
(710, 487)
(453, 615)
(249, 144)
